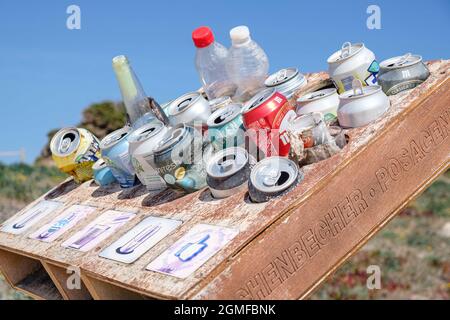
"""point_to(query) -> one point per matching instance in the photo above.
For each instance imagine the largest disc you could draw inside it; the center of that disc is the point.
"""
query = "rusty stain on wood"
(285, 247)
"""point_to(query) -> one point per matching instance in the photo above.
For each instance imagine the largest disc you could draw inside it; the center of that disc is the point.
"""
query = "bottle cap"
(202, 37)
(120, 59)
(239, 34)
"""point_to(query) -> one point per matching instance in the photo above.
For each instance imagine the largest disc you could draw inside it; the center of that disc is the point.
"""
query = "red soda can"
(266, 117)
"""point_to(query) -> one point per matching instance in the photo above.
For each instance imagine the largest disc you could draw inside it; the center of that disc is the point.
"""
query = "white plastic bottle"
(247, 64)
(210, 60)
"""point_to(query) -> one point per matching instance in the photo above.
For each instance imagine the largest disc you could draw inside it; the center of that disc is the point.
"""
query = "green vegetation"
(103, 118)
(25, 183)
(412, 252)
(99, 118)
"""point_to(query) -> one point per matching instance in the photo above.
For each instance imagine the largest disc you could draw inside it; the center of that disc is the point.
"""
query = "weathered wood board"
(286, 247)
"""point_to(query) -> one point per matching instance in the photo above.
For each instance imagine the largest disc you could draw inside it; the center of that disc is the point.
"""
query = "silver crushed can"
(179, 160)
(272, 177)
(220, 102)
(115, 152)
(142, 143)
(402, 73)
(361, 105)
(225, 127)
(325, 101)
(228, 172)
(353, 61)
(286, 81)
(190, 109)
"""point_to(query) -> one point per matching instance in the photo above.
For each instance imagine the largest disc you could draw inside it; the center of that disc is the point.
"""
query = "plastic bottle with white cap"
(247, 64)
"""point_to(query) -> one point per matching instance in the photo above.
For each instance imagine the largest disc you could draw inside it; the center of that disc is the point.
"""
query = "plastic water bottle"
(247, 64)
(210, 60)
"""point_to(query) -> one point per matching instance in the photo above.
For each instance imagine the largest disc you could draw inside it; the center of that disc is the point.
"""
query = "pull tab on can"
(271, 178)
(404, 59)
(227, 164)
(65, 144)
(281, 75)
(357, 87)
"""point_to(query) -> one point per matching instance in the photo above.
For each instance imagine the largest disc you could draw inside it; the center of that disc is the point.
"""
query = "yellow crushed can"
(75, 150)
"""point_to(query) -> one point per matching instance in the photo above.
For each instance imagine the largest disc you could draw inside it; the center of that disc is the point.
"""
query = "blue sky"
(48, 73)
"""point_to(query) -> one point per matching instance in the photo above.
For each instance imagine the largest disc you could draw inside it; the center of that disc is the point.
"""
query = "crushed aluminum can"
(402, 73)
(190, 109)
(102, 173)
(286, 81)
(325, 101)
(117, 157)
(142, 143)
(266, 117)
(228, 172)
(272, 177)
(179, 158)
(353, 61)
(75, 150)
(361, 105)
(225, 127)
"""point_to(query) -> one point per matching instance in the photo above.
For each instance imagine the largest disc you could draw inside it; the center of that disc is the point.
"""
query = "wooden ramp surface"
(285, 248)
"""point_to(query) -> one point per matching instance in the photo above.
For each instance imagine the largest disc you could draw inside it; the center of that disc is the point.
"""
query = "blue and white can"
(102, 173)
(225, 127)
(115, 152)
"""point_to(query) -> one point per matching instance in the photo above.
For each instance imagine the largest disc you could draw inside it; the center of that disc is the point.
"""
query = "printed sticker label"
(192, 250)
(98, 230)
(62, 223)
(140, 239)
(371, 79)
(31, 216)
(374, 67)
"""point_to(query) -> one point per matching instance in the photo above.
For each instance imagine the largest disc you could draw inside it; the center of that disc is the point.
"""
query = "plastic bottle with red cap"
(210, 60)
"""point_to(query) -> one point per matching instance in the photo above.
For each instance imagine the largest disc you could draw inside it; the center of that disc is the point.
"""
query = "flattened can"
(142, 143)
(402, 73)
(228, 172)
(286, 81)
(75, 150)
(266, 117)
(225, 127)
(179, 160)
(116, 155)
(353, 61)
(272, 177)
(190, 109)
